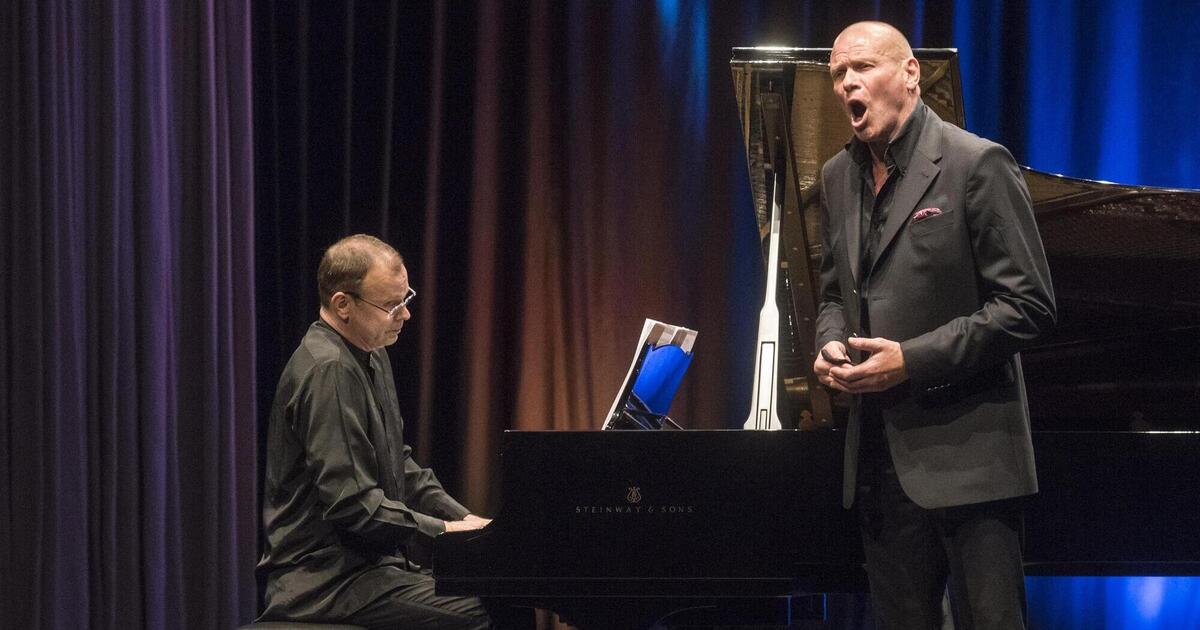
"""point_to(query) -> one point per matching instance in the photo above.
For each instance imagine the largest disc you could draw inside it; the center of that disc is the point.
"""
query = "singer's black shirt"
(874, 211)
(342, 493)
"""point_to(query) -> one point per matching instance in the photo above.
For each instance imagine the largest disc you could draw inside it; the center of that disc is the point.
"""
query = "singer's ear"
(912, 68)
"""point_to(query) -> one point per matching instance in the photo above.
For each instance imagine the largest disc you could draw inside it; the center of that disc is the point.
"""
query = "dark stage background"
(554, 171)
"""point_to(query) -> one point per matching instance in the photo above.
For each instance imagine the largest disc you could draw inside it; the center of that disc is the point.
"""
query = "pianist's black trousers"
(416, 606)
(914, 554)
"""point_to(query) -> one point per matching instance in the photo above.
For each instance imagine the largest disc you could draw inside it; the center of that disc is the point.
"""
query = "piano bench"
(296, 625)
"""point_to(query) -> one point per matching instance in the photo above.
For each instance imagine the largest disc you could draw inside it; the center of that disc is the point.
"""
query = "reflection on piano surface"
(1114, 394)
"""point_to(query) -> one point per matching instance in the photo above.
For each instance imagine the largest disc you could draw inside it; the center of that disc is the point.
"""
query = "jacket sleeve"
(426, 492)
(331, 419)
(1017, 304)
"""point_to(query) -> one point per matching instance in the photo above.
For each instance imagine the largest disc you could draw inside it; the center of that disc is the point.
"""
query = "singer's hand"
(882, 371)
(821, 367)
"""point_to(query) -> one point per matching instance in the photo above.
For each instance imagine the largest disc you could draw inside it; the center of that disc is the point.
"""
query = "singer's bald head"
(886, 39)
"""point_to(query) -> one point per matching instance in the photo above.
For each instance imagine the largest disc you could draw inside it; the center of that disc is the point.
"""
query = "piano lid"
(1125, 260)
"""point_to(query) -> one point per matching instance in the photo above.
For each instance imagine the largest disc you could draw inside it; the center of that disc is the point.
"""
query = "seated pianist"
(342, 495)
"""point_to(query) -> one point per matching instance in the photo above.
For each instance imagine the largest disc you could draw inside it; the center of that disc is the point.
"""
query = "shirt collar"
(361, 356)
(899, 151)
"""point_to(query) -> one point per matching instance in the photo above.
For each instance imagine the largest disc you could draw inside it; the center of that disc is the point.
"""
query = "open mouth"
(857, 111)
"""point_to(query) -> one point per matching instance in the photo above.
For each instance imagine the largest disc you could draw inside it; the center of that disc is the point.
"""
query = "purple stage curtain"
(127, 378)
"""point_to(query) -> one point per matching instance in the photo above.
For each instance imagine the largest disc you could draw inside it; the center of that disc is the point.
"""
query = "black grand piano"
(628, 528)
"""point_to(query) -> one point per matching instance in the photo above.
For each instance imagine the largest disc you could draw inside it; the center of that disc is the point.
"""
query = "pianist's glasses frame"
(391, 312)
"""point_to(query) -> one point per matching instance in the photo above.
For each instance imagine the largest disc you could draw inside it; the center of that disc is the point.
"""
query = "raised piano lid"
(1125, 261)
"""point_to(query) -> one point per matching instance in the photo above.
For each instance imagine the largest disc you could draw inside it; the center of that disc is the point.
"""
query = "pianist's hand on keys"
(468, 523)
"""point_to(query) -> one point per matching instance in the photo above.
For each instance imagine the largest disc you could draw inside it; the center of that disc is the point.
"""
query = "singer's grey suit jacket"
(962, 291)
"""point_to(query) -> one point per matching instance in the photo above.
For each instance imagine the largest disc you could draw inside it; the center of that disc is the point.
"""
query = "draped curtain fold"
(127, 377)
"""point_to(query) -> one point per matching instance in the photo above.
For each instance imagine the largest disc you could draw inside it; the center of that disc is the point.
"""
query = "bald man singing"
(933, 278)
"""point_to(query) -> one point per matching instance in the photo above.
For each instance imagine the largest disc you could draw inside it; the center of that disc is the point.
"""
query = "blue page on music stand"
(661, 374)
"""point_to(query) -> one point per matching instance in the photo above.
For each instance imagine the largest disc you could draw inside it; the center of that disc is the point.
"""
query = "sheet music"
(660, 359)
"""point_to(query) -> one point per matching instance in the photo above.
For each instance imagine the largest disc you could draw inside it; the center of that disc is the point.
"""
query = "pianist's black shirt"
(341, 494)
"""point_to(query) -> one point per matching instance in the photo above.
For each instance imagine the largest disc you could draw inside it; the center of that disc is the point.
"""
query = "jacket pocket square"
(925, 213)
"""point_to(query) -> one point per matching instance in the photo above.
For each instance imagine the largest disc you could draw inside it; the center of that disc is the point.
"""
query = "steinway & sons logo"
(633, 505)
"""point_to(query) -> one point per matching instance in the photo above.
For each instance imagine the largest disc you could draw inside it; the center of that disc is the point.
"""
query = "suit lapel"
(922, 168)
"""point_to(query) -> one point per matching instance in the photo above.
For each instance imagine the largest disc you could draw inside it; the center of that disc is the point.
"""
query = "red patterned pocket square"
(925, 213)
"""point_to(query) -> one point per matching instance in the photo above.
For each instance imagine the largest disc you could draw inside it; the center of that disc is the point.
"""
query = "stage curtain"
(127, 374)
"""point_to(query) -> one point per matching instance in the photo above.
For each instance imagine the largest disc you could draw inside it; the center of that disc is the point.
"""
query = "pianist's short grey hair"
(346, 263)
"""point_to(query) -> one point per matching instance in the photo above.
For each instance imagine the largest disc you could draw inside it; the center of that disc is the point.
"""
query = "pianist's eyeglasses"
(391, 312)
